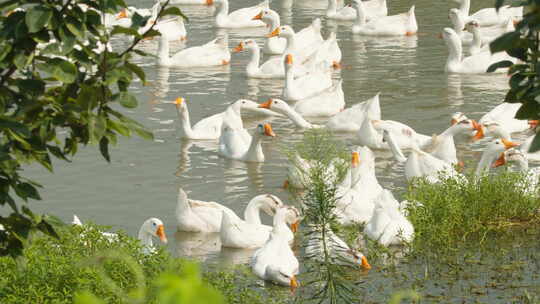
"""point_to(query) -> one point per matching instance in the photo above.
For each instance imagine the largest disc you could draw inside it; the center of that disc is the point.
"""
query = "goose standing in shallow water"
(200, 216)
(240, 18)
(397, 25)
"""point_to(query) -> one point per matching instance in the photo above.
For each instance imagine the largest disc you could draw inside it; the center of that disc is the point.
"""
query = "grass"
(453, 213)
(85, 268)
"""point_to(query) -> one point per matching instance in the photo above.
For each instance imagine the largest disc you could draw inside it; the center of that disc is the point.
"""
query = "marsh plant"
(453, 213)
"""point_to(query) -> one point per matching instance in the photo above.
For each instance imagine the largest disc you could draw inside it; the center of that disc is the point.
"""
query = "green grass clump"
(455, 212)
(83, 267)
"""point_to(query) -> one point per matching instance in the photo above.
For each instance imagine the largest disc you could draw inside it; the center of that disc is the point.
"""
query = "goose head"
(493, 128)
(267, 16)
(248, 44)
(293, 218)
(498, 146)
(266, 130)
(457, 117)
(449, 36)
(281, 276)
(122, 14)
(282, 31)
(269, 203)
(275, 104)
(244, 104)
(468, 125)
(457, 19)
(359, 259)
(471, 26)
(510, 155)
(181, 106)
(154, 227)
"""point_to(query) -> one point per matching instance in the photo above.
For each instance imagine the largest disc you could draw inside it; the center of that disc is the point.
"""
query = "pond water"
(143, 177)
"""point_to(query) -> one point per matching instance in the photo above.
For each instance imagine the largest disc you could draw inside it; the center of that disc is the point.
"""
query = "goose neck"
(185, 123)
(255, 59)
(485, 162)
(163, 52)
(254, 152)
(465, 7)
(454, 50)
(360, 14)
(252, 214)
(145, 238)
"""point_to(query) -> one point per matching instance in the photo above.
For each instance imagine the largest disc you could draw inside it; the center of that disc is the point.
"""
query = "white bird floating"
(202, 216)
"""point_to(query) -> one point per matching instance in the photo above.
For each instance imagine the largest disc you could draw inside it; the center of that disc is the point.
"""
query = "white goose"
(397, 25)
(236, 233)
(328, 53)
(532, 175)
(305, 86)
(275, 261)
(233, 144)
(200, 216)
(272, 68)
(213, 53)
(474, 64)
(477, 45)
(240, 18)
(492, 151)
(420, 164)
(152, 227)
(326, 103)
(490, 16)
(358, 192)
(192, 2)
(351, 119)
(442, 146)
(210, 127)
(345, 13)
(388, 226)
(339, 252)
(305, 38)
(374, 9)
(486, 35)
(304, 48)
(172, 29)
(370, 134)
(504, 114)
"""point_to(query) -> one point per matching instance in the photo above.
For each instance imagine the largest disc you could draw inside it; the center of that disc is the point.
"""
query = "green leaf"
(505, 42)
(125, 31)
(535, 145)
(77, 28)
(4, 50)
(64, 71)
(127, 100)
(14, 126)
(499, 65)
(173, 10)
(97, 125)
(104, 148)
(137, 70)
(37, 17)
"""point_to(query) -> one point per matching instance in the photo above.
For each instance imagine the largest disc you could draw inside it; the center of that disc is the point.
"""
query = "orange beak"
(161, 234)
(439, 36)
(179, 101)
(479, 130)
(122, 14)
(286, 184)
(294, 226)
(453, 121)
(499, 162)
(266, 104)
(209, 2)
(336, 65)
(239, 48)
(533, 123)
(294, 284)
(365, 265)
(258, 17)
(268, 130)
(509, 144)
(274, 33)
(355, 159)
(289, 60)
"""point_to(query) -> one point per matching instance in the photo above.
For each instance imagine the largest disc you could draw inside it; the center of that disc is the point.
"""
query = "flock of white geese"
(304, 60)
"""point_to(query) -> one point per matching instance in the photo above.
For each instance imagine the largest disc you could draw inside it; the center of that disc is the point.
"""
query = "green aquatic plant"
(84, 266)
(454, 212)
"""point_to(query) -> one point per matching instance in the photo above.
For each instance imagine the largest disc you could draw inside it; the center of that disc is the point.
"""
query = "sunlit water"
(143, 177)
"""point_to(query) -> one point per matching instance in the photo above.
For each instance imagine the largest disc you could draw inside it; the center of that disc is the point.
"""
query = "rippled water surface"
(143, 177)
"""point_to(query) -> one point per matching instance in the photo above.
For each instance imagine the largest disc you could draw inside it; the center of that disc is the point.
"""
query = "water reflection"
(201, 246)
